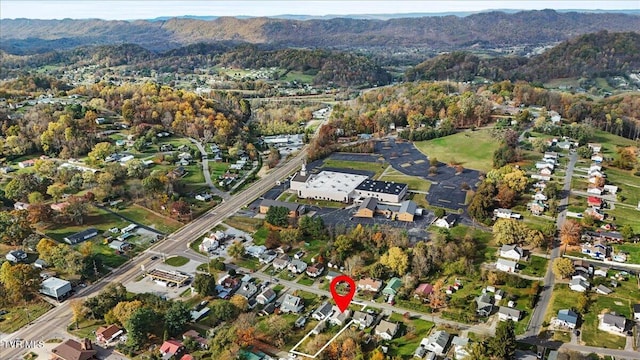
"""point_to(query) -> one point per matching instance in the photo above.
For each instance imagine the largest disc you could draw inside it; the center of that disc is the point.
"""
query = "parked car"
(154, 257)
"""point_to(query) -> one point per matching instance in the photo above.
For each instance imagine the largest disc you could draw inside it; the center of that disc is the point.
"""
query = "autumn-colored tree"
(563, 267)
(437, 296)
(396, 259)
(39, 213)
(506, 196)
(246, 336)
(570, 232)
(240, 302)
(78, 310)
(123, 311)
(20, 281)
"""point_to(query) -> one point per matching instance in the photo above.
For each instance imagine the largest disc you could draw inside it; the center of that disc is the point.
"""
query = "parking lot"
(345, 217)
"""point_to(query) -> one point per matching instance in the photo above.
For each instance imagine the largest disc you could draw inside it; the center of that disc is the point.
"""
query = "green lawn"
(18, 316)
(107, 255)
(146, 217)
(86, 328)
(176, 261)
(194, 174)
(414, 182)
(248, 263)
(413, 331)
(96, 218)
(626, 216)
(292, 197)
(305, 280)
(632, 249)
(260, 236)
(217, 169)
(602, 304)
(248, 225)
(627, 183)
(472, 149)
(536, 266)
(378, 167)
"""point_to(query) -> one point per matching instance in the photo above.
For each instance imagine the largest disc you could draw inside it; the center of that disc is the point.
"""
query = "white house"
(565, 319)
(636, 312)
(545, 172)
(613, 324)
(460, 345)
(507, 313)
(437, 342)
(266, 296)
(544, 165)
(595, 147)
(611, 189)
(297, 266)
(594, 191)
(506, 214)
(16, 256)
(208, 244)
(513, 252)
(446, 222)
(363, 319)
(579, 285)
(291, 304)
(255, 250)
(506, 265)
(597, 158)
(540, 196)
(281, 262)
(339, 318)
(386, 330)
(204, 197)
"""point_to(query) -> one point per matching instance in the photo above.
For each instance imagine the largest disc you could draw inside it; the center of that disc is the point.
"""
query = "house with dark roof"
(407, 211)
(636, 311)
(322, 312)
(266, 296)
(507, 313)
(81, 236)
(73, 350)
(447, 221)
(613, 324)
(295, 209)
(485, 305)
(107, 334)
(367, 208)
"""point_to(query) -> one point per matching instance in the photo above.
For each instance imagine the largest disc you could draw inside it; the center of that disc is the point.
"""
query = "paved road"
(61, 315)
(205, 171)
(540, 310)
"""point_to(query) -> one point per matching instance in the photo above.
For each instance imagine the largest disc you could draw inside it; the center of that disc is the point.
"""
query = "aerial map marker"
(342, 301)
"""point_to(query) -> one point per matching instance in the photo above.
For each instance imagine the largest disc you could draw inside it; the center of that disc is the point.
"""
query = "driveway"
(205, 171)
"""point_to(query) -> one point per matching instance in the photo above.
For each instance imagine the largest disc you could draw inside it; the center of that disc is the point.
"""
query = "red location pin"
(343, 301)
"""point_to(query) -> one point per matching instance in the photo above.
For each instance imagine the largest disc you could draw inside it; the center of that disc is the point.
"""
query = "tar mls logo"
(21, 344)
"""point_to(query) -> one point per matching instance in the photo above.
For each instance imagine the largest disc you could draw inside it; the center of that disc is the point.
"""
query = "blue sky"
(127, 10)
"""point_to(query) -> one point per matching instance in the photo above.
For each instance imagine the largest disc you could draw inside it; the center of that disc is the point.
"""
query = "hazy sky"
(126, 10)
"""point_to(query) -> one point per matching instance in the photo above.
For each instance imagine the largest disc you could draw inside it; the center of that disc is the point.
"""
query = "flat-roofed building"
(327, 185)
(382, 190)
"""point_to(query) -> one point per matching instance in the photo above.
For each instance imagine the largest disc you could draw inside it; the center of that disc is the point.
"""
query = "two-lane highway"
(59, 317)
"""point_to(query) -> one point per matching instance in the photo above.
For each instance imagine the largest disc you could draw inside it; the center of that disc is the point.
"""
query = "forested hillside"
(484, 30)
(590, 55)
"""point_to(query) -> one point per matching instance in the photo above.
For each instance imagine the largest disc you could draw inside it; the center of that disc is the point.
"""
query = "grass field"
(217, 169)
(146, 217)
(96, 218)
(292, 197)
(176, 261)
(536, 266)
(378, 167)
(603, 304)
(626, 216)
(632, 249)
(19, 316)
(414, 330)
(414, 182)
(561, 298)
(473, 150)
(248, 225)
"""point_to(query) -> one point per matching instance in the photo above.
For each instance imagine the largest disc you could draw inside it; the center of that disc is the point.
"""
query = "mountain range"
(437, 33)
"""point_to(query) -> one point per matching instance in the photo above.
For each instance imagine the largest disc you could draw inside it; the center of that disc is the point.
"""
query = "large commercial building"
(56, 288)
(343, 187)
(326, 185)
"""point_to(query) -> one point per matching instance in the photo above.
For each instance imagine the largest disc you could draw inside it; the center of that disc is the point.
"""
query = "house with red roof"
(594, 201)
(171, 348)
(424, 290)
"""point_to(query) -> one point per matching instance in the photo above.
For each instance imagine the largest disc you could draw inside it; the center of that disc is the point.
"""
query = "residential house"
(539, 196)
(580, 275)
(460, 345)
(266, 296)
(392, 287)
(500, 294)
(564, 145)
(506, 214)
(550, 155)
(247, 290)
(595, 167)
(171, 348)
(485, 305)
(267, 256)
(603, 290)
(281, 262)
(204, 344)
(297, 266)
(363, 320)
(595, 147)
(108, 334)
(255, 250)
(74, 350)
(545, 172)
(339, 318)
(323, 311)
(536, 207)
(438, 342)
(40, 264)
(21, 206)
(601, 272)
(597, 251)
(544, 165)
(424, 290)
(579, 285)
(594, 201)
(208, 244)
(446, 222)
(315, 270)
(613, 324)
(369, 284)
(6, 169)
(611, 189)
(566, 319)
(582, 266)
(597, 158)
(506, 265)
(595, 213)
(204, 197)
(119, 245)
(386, 330)
(513, 252)
(507, 313)
(636, 311)
(27, 163)
(16, 256)
(291, 304)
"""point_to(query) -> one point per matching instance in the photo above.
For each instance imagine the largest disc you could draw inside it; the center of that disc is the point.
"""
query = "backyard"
(413, 331)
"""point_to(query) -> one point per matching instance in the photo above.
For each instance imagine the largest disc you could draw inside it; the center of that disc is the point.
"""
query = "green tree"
(311, 226)
(204, 284)
(223, 311)
(100, 152)
(177, 317)
(584, 152)
(21, 186)
(503, 344)
(56, 191)
(277, 216)
(627, 232)
(135, 168)
(236, 250)
(582, 304)
(140, 324)
(35, 197)
(563, 267)
(14, 226)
